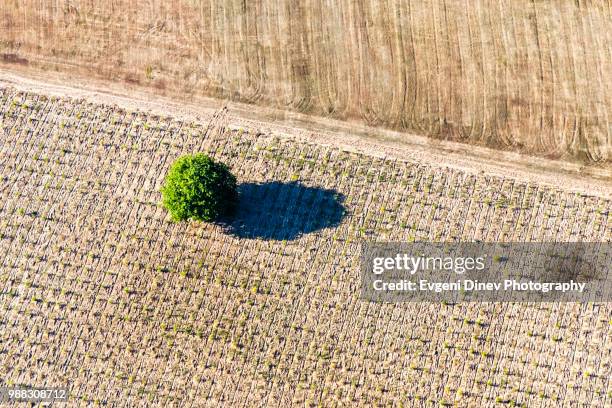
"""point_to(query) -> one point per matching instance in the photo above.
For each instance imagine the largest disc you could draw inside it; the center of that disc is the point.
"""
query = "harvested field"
(99, 290)
(529, 76)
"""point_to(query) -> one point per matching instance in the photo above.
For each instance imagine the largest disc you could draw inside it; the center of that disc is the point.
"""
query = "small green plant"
(199, 188)
(149, 72)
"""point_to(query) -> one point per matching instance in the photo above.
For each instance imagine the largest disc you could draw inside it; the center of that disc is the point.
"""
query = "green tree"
(199, 188)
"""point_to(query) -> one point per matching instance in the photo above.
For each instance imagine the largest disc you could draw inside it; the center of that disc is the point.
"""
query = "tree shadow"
(284, 211)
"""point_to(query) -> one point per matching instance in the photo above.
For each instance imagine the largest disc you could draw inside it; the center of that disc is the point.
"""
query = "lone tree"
(199, 188)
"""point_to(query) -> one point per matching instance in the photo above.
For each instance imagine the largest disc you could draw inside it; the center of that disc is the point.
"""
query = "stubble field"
(529, 76)
(100, 291)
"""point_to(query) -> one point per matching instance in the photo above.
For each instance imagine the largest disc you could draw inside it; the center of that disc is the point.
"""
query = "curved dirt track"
(568, 176)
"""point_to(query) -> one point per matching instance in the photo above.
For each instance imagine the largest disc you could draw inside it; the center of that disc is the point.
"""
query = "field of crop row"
(522, 75)
(100, 291)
